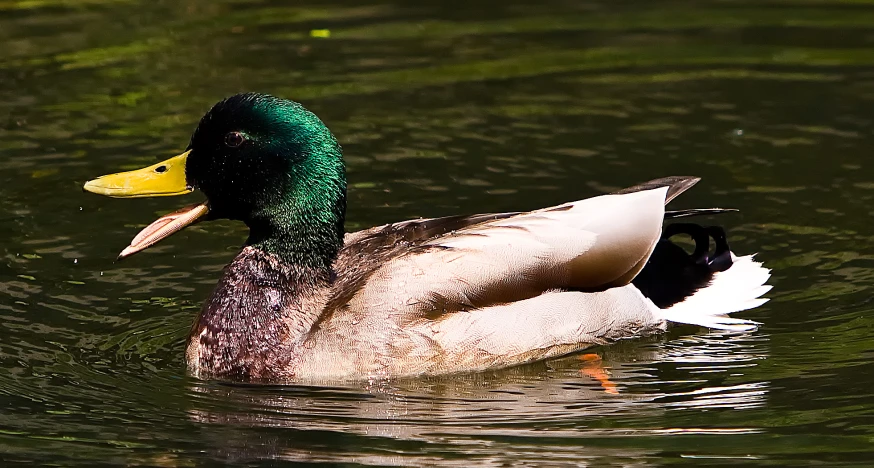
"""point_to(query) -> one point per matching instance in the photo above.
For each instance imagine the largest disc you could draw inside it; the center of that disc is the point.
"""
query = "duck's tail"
(739, 287)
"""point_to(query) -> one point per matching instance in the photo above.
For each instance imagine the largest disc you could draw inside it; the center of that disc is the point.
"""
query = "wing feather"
(588, 245)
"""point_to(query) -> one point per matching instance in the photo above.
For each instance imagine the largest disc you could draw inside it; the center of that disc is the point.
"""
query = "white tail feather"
(738, 288)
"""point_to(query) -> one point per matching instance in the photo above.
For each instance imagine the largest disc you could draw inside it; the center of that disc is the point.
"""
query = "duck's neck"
(299, 238)
(304, 227)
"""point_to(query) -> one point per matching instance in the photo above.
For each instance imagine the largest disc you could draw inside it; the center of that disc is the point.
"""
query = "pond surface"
(442, 108)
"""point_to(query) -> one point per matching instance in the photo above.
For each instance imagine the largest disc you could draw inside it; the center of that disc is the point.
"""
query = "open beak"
(164, 227)
(159, 180)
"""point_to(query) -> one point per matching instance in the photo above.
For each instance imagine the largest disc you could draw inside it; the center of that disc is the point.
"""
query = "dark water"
(442, 108)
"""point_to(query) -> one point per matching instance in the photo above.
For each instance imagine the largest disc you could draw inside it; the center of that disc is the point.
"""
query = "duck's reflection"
(574, 405)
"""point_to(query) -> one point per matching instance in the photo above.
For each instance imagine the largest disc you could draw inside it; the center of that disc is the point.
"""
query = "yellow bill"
(163, 179)
(159, 180)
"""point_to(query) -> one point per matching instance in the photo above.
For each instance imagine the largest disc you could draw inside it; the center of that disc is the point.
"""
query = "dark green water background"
(442, 108)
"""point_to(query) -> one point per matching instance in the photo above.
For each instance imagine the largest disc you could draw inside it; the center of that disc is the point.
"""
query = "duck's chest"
(251, 325)
(242, 337)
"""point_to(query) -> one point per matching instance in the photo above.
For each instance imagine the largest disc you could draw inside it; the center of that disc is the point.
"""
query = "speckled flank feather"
(553, 323)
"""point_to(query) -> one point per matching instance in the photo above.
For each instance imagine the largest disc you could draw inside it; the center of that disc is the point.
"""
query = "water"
(442, 108)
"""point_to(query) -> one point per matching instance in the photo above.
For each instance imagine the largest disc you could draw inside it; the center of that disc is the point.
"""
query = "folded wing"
(588, 245)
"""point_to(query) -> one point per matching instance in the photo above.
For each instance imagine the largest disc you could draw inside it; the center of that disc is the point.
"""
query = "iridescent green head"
(263, 160)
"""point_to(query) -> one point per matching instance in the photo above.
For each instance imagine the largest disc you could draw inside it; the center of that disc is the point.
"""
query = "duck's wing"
(426, 268)
(412, 232)
(364, 252)
(677, 185)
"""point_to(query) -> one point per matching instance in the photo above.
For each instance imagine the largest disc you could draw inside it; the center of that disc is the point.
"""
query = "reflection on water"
(442, 108)
(510, 409)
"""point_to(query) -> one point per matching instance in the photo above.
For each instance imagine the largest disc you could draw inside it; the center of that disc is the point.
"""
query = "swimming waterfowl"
(305, 300)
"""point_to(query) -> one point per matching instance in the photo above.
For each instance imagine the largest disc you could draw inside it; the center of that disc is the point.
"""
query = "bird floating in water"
(304, 300)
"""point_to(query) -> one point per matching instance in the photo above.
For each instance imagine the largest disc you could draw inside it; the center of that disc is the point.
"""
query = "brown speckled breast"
(254, 319)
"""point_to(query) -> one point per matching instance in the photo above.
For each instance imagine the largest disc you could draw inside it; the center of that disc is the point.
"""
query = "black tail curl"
(671, 274)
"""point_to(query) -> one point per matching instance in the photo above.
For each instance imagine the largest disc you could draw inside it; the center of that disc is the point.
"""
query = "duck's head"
(259, 159)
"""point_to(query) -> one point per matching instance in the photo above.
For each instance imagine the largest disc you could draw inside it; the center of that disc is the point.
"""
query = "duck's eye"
(234, 139)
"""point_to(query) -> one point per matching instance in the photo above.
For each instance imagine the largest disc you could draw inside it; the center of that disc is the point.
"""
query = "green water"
(442, 108)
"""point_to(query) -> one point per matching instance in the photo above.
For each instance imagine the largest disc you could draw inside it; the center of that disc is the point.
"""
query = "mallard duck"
(305, 300)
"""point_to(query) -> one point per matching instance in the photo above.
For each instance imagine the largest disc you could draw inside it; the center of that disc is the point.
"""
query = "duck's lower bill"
(164, 227)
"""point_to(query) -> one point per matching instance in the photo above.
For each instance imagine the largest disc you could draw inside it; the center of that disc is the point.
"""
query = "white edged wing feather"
(588, 245)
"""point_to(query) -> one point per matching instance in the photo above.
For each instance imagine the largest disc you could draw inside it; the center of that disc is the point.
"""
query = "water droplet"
(80, 208)
(75, 260)
(738, 132)
(101, 273)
